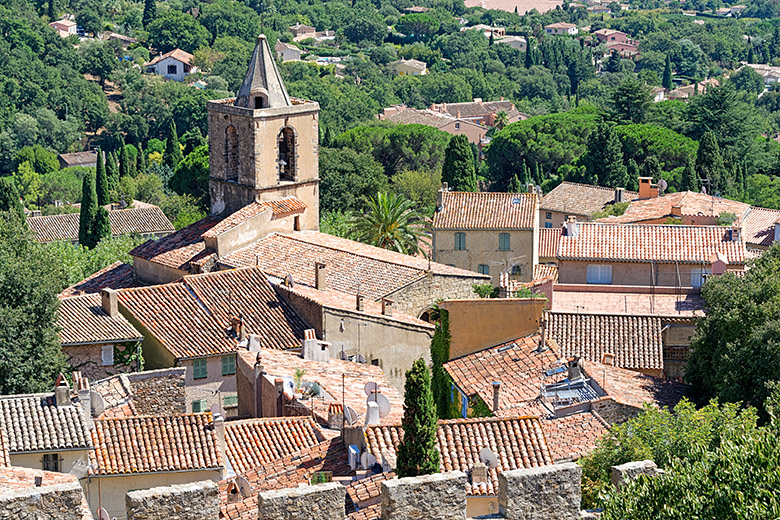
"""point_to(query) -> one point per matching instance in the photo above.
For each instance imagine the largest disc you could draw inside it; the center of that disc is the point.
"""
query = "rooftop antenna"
(350, 415)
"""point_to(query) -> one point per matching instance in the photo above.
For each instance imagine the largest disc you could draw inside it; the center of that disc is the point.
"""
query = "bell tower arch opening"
(231, 153)
(287, 151)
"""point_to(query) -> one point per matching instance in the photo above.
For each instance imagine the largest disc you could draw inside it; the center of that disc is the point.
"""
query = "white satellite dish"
(370, 388)
(360, 358)
(103, 514)
(367, 460)
(350, 415)
(488, 458)
(382, 402)
(244, 486)
(662, 185)
(216, 409)
(97, 403)
(343, 355)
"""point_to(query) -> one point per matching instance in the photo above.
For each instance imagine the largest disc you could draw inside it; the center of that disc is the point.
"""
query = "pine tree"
(709, 162)
(9, 198)
(689, 180)
(417, 453)
(172, 155)
(490, 40)
(632, 174)
(666, 82)
(124, 161)
(89, 210)
(52, 10)
(458, 169)
(150, 12)
(514, 185)
(651, 168)
(102, 184)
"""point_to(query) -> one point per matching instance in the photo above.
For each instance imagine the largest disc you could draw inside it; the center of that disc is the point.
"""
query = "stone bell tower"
(263, 145)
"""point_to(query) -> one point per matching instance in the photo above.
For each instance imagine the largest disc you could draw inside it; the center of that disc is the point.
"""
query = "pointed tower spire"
(262, 86)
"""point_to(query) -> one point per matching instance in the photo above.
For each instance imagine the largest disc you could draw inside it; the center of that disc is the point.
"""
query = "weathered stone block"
(319, 502)
(541, 493)
(58, 502)
(625, 473)
(193, 501)
(441, 496)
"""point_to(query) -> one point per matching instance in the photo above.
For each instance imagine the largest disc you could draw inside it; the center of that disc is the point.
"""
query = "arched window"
(287, 152)
(231, 153)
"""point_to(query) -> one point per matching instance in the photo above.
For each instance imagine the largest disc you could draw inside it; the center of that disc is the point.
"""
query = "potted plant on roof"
(298, 379)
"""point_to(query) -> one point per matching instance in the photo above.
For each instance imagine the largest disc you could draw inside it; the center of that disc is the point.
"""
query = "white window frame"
(599, 274)
(697, 275)
(107, 355)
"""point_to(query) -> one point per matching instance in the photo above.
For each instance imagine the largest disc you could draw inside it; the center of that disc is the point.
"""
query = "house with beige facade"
(403, 115)
(560, 28)
(409, 67)
(489, 233)
(176, 65)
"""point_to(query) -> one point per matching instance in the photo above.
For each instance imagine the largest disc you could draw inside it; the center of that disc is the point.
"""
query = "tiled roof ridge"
(297, 418)
(657, 226)
(210, 417)
(662, 317)
(468, 420)
(591, 186)
(552, 346)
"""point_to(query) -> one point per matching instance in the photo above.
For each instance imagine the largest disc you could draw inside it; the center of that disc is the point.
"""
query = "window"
(375, 362)
(287, 151)
(503, 242)
(599, 273)
(548, 215)
(697, 276)
(51, 462)
(199, 406)
(107, 355)
(460, 241)
(483, 269)
(172, 69)
(228, 365)
(457, 126)
(516, 270)
(548, 225)
(229, 401)
(199, 368)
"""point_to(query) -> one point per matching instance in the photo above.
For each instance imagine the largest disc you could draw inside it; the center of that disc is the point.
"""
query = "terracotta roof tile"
(178, 249)
(477, 108)
(192, 318)
(177, 54)
(517, 441)
(664, 301)
(635, 341)
(82, 321)
(154, 444)
(279, 207)
(115, 276)
(48, 228)
(543, 274)
(254, 442)
(759, 226)
(548, 242)
(36, 423)
(573, 436)
(117, 395)
(372, 512)
(650, 243)
(366, 492)
(580, 199)
(634, 389)
(485, 210)
(413, 116)
(689, 203)
(5, 458)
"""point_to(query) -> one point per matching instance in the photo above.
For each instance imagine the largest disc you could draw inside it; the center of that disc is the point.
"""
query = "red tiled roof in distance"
(632, 388)
(178, 249)
(573, 436)
(759, 226)
(605, 299)
(82, 321)
(650, 243)
(581, 199)
(177, 54)
(366, 491)
(690, 204)
(146, 444)
(278, 207)
(146, 220)
(518, 442)
(115, 276)
(254, 442)
(485, 210)
(548, 242)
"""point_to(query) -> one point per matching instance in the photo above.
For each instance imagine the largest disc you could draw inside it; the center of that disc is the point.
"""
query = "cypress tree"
(417, 453)
(751, 58)
(529, 53)
(141, 163)
(604, 158)
(709, 162)
(150, 12)
(689, 181)
(525, 178)
(9, 198)
(112, 168)
(102, 185)
(52, 10)
(124, 161)
(514, 185)
(632, 173)
(458, 169)
(101, 226)
(490, 41)
(172, 155)
(89, 210)
(666, 82)
(538, 175)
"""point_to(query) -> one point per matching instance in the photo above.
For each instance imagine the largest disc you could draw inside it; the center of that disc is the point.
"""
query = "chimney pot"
(575, 372)
(479, 473)
(359, 302)
(62, 393)
(320, 272)
(233, 494)
(387, 307)
(619, 194)
(572, 227)
(496, 391)
(109, 302)
(219, 429)
(372, 413)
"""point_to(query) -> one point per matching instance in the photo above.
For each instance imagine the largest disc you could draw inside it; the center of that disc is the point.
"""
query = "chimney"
(572, 227)
(359, 302)
(496, 390)
(530, 188)
(372, 413)
(440, 196)
(543, 333)
(479, 473)
(279, 387)
(62, 392)
(233, 494)
(677, 211)
(237, 326)
(320, 272)
(109, 302)
(219, 430)
(647, 190)
(313, 350)
(575, 372)
(85, 397)
(736, 230)
(387, 307)
(619, 194)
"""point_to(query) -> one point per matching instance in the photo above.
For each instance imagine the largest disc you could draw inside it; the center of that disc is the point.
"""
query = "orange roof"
(548, 242)
(484, 210)
(689, 203)
(366, 492)
(664, 301)
(154, 444)
(650, 243)
(177, 54)
(147, 220)
(518, 443)
(115, 276)
(253, 442)
(580, 199)
(178, 249)
(573, 436)
(279, 207)
(82, 321)
(633, 388)
(759, 226)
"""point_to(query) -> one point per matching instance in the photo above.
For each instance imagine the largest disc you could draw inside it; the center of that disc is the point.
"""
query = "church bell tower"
(263, 145)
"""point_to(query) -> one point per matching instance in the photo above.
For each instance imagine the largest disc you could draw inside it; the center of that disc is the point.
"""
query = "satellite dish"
(244, 486)
(215, 409)
(370, 388)
(488, 458)
(367, 460)
(97, 402)
(103, 514)
(350, 415)
(343, 355)
(703, 190)
(382, 402)
(662, 185)
(360, 358)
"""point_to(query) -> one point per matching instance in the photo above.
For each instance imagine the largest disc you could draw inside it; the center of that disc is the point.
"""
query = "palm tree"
(502, 119)
(391, 222)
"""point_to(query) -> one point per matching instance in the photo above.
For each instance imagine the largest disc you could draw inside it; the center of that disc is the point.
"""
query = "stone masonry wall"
(193, 501)
(612, 411)
(319, 502)
(159, 392)
(441, 496)
(58, 502)
(421, 295)
(541, 493)
(629, 471)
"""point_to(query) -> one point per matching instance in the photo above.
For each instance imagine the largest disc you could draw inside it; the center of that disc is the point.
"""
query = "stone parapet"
(319, 502)
(541, 493)
(193, 501)
(441, 496)
(625, 473)
(57, 502)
